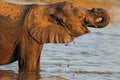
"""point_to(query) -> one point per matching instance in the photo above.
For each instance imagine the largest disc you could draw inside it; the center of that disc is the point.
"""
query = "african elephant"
(25, 28)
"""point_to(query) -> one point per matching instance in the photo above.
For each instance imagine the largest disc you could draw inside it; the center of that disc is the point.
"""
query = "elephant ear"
(44, 30)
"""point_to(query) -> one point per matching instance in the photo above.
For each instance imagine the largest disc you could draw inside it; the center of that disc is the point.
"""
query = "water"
(94, 56)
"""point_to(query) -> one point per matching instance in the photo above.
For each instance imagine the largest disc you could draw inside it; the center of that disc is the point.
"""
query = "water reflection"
(7, 75)
(11, 75)
(28, 76)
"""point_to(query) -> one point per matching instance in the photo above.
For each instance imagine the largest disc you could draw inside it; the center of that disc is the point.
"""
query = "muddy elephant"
(25, 28)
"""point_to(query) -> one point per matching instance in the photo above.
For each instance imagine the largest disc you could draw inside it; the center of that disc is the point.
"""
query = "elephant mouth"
(97, 21)
(67, 28)
(72, 32)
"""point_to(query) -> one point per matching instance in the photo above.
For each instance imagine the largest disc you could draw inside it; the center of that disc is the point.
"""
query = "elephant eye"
(60, 20)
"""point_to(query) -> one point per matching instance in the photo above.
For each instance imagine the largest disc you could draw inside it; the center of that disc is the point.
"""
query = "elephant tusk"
(98, 20)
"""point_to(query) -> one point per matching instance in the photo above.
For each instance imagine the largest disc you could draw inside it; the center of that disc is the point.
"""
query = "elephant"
(24, 29)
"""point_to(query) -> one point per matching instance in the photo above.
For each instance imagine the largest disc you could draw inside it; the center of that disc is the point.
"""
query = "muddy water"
(94, 56)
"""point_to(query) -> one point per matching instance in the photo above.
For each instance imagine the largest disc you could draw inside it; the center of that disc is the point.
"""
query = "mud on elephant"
(25, 28)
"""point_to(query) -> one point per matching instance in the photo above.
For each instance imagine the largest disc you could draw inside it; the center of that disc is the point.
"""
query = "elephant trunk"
(101, 18)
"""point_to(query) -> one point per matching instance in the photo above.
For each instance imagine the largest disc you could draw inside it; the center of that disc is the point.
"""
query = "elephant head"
(61, 22)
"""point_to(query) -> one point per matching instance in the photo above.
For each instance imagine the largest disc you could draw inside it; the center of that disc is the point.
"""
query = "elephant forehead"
(11, 11)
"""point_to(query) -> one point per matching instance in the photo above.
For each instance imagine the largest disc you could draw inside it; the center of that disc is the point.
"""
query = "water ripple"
(95, 72)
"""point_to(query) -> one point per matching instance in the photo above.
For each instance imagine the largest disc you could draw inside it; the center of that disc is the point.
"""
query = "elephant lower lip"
(92, 26)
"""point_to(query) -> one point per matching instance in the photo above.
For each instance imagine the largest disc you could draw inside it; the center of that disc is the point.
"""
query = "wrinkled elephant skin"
(25, 28)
